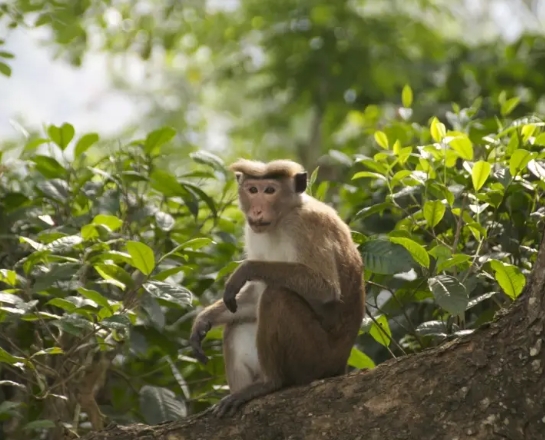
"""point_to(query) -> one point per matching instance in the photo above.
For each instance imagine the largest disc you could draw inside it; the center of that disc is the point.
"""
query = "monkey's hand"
(235, 282)
(200, 329)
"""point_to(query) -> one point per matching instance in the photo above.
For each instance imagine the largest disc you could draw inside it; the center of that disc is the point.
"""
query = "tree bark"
(484, 386)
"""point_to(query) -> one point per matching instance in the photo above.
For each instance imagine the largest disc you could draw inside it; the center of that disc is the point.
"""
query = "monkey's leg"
(293, 348)
(217, 314)
(240, 355)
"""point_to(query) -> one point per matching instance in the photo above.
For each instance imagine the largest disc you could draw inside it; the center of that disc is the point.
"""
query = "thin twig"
(387, 335)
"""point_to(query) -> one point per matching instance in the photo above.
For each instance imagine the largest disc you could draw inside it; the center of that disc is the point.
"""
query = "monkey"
(298, 296)
(239, 335)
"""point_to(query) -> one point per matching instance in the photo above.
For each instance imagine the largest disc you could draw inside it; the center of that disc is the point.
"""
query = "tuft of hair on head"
(273, 169)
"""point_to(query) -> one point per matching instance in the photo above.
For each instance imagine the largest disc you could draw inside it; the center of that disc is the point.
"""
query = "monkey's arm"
(318, 291)
(217, 314)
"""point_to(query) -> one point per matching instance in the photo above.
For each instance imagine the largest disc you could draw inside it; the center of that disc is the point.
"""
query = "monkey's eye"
(253, 189)
(270, 190)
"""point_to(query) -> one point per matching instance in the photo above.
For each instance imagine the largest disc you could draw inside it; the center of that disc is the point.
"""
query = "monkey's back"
(326, 233)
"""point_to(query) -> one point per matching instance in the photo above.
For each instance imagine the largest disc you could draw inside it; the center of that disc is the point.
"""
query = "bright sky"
(42, 90)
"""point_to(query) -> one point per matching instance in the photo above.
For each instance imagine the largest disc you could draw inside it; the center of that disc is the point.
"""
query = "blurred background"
(259, 77)
(327, 83)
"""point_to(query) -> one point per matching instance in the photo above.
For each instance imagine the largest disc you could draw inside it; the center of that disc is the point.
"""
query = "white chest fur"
(264, 247)
(273, 246)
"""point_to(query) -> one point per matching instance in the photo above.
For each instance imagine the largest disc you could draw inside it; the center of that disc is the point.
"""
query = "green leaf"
(158, 405)
(61, 303)
(115, 275)
(88, 232)
(449, 293)
(75, 325)
(227, 269)
(508, 106)
(95, 296)
(84, 143)
(456, 260)
(194, 243)
(527, 131)
(64, 244)
(480, 173)
(437, 130)
(7, 407)
(384, 336)
(536, 169)
(362, 174)
(166, 184)
(8, 358)
(169, 292)
(462, 145)
(5, 69)
(432, 328)
(142, 256)
(373, 209)
(164, 274)
(360, 360)
(509, 277)
(480, 299)
(61, 135)
(157, 138)
(117, 322)
(49, 351)
(407, 96)
(49, 167)
(55, 189)
(35, 143)
(111, 221)
(540, 140)
(385, 257)
(207, 158)
(39, 425)
(519, 160)
(199, 193)
(433, 212)
(8, 276)
(416, 250)
(312, 179)
(381, 139)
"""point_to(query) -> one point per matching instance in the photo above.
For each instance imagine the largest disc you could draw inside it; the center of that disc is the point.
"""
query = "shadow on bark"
(484, 386)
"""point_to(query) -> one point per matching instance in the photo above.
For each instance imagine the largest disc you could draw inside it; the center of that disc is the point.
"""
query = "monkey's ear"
(300, 182)
(238, 176)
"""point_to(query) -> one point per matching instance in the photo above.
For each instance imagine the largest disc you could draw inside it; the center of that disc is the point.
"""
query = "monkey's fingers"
(227, 406)
(198, 352)
(230, 303)
(200, 356)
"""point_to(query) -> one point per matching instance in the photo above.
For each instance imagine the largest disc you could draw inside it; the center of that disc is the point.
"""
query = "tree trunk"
(484, 386)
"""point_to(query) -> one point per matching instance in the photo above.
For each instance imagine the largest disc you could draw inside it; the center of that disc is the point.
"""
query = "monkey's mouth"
(258, 224)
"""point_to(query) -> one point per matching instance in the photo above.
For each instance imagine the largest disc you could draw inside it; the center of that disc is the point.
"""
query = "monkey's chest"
(271, 247)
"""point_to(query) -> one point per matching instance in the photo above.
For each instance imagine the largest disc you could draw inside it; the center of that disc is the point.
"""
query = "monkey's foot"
(228, 406)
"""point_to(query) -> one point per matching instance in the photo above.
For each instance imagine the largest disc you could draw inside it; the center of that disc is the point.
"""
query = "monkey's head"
(267, 191)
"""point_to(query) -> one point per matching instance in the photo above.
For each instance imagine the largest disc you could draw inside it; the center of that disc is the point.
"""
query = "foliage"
(104, 261)
(107, 253)
(101, 262)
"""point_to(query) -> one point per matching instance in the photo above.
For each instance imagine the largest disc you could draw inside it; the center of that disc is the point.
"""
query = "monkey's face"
(262, 201)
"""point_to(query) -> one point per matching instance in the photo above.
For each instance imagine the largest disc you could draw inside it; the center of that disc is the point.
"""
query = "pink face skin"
(259, 198)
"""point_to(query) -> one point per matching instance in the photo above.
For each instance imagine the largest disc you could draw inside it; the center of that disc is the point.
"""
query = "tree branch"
(484, 386)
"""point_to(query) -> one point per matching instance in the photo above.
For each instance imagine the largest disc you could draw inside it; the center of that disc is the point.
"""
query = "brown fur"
(277, 168)
(310, 312)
